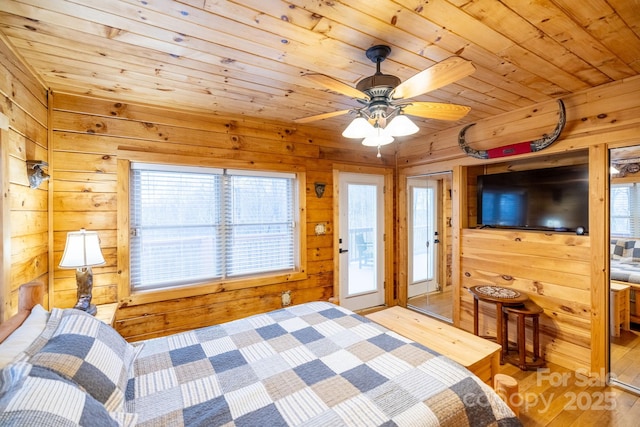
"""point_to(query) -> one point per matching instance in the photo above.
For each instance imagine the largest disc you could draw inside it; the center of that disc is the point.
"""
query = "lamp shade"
(401, 125)
(358, 128)
(82, 250)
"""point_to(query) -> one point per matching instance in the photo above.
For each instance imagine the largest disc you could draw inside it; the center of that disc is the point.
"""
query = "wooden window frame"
(126, 296)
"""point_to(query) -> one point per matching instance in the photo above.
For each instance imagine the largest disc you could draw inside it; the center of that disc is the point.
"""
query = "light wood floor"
(439, 303)
(556, 396)
(559, 397)
(625, 356)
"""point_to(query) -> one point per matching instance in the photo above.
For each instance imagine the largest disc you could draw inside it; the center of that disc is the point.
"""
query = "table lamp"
(82, 251)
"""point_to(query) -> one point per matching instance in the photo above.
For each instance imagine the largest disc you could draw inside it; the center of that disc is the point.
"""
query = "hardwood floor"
(556, 396)
(439, 303)
(559, 397)
(625, 356)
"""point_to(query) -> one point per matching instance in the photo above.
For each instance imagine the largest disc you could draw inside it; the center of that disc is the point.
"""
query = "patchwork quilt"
(625, 271)
(315, 364)
(625, 260)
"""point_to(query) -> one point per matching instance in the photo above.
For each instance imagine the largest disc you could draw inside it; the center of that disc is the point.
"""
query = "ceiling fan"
(383, 98)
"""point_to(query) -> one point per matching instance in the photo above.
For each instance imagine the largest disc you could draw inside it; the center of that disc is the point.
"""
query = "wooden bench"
(480, 356)
(634, 296)
(619, 310)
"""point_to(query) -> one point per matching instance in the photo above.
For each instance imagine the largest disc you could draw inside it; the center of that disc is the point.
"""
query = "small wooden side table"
(500, 296)
(107, 313)
(533, 311)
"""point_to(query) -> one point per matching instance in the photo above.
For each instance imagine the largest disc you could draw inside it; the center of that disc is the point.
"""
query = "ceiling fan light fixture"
(379, 137)
(358, 128)
(401, 125)
(385, 99)
(377, 141)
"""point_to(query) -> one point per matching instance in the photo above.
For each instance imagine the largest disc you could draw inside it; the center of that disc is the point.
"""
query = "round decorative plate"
(498, 292)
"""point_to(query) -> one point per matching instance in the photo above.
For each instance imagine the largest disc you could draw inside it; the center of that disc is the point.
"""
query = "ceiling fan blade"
(441, 74)
(321, 116)
(336, 85)
(436, 110)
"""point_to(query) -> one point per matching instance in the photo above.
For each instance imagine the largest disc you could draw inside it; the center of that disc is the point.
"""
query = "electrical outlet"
(286, 298)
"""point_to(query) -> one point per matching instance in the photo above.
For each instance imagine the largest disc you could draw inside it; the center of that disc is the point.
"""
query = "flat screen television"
(540, 199)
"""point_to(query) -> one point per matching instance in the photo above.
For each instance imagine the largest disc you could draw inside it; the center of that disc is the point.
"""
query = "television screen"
(540, 199)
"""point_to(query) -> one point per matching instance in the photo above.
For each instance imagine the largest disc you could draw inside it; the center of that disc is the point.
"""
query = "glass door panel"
(361, 240)
(624, 291)
(428, 238)
(422, 237)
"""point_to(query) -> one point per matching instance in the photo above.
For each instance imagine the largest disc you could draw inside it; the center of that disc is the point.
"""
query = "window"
(192, 225)
(625, 218)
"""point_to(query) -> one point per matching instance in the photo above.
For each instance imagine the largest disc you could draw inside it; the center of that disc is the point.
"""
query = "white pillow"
(22, 337)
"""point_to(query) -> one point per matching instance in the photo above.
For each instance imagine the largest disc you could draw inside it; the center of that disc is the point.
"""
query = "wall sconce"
(320, 188)
(35, 173)
(82, 251)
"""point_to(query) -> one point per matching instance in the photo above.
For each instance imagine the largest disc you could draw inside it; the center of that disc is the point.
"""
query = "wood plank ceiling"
(248, 57)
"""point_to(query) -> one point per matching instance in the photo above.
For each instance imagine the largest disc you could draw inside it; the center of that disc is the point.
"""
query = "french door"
(423, 235)
(361, 240)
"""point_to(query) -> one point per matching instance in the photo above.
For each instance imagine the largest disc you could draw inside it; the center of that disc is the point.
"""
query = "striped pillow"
(90, 353)
(34, 396)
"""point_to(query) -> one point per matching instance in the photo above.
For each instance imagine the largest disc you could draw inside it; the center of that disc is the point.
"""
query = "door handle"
(343, 250)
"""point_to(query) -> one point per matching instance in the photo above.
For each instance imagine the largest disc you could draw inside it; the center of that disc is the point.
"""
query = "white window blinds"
(190, 225)
(625, 210)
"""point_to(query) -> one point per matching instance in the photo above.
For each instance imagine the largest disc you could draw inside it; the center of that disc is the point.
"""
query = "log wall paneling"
(23, 211)
(81, 137)
(565, 274)
(90, 135)
(553, 269)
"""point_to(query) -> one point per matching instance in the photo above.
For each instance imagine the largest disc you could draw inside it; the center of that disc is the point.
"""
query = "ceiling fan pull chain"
(379, 155)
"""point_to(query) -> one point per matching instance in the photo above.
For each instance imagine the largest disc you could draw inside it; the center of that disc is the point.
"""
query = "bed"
(625, 269)
(314, 364)
(625, 260)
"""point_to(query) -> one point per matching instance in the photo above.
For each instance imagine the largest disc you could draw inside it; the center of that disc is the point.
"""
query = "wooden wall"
(87, 136)
(87, 133)
(564, 273)
(24, 245)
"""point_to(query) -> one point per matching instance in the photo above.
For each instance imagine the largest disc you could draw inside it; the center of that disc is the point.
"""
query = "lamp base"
(84, 304)
(84, 280)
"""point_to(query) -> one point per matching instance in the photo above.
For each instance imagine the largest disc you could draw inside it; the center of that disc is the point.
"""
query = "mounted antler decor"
(625, 167)
(518, 148)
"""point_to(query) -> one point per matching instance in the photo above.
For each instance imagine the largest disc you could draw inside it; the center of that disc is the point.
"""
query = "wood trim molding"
(389, 243)
(599, 235)
(459, 220)
(5, 228)
(122, 195)
(50, 210)
(127, 298)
